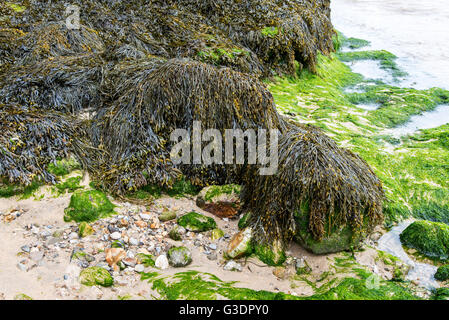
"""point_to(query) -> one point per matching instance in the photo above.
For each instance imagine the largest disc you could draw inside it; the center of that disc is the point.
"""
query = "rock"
(114, 256)
(240, 244)
(145, 216)
(428, 238)
(213, 246)
(96, 276)
(115, 236)
(232, 266)
(133, 241)
(73, 236)
(174, 234)
(139, 268)
(26, 248)
(179, 257)
(84, 230)
(243, 222)
(88, 206)
(196, 222)
(130, 262)
(22, 266)
(280, 272)
(273, 255)
(141, 224)
(302, 267)
(161, 262)
(219, 194)
(167, 216)
(216, 234)
(36, 256)
(212, 256)
(340, 239)
(442, 273)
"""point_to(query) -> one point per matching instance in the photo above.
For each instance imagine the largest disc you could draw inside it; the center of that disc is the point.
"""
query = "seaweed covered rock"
(179, 257)
(442, 273)
(96, 276)
(196, 222)
(428, 238)
(329, 200)
(272, 253)
(88, 206)
(222, 201)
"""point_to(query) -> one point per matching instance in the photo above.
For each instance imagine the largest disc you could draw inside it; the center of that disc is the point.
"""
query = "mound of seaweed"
(112, 92)
(317, 181)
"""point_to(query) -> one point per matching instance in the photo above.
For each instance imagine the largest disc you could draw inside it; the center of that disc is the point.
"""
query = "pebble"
(213, 246)
(212, 256)
(161, 262)
(232, 266)
(115, 236)
(22, 267)
(133, 241)
(26, 248)
(139, 268)
(144, 216)
(73, 236)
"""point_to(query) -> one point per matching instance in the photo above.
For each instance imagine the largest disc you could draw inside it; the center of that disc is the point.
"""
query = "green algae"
(441, 294)
(385, 58)
(93, 276)
(8, 190)
(22, 296)
(196, 222)
(244, 221)
(414, 173)
(88, 206)
(442, 273)
(270, 31)
(215, 191)
(173, 256)
(429, 238)
(84, 230)
(63, 167)
(269, 255)
(69, 185)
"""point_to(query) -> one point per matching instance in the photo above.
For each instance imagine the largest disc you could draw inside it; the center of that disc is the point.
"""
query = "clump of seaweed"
(332, 184)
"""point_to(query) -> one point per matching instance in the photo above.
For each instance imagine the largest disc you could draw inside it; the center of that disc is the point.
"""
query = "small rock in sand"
(161, 262)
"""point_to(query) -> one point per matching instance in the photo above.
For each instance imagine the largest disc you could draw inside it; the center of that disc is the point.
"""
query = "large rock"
(179, 257)
(222, 201)
(88, 206)
(96, 276)
(196, 222)
(428, 238)
(340, 238)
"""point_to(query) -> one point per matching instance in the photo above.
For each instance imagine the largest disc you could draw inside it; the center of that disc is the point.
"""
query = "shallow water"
(432, 119)
(414, 30)
(370, 69)
(423, 273)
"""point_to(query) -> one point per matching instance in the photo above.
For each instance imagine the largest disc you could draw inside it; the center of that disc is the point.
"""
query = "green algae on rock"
(272, 254)
(196, 222)
(429, 238)
(442, 273)
(243, 222)
(88, 206)
(179, 257)
(240, 245)
(93, 276)
(84, 229)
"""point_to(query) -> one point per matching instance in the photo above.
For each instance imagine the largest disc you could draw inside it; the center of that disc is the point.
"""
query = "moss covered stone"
(63, 167)
(273, 255)
(442, 273)
(84, 230)
(441, 294)
(88, 206)
(196, 222)
(216, 234)
(429, 238)
(179, 257)
(167, 216)
(229, 193)
(340, 238)
(243, 222)
(96, 276)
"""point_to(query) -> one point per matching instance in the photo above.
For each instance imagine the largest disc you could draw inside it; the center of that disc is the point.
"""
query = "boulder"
(96, 276)
(240, 244)
(179, 257)
(196, 222)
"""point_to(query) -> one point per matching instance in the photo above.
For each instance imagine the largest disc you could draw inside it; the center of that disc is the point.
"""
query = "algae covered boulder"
(84, 229)
(442, 273)
(88, 206)
(196, 222)
(272, 255)
(179, 257)
(223, 201)
(94, 276)
(430, 239)
(335, 239)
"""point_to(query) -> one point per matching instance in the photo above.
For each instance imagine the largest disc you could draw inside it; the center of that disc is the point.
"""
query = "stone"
(36, 256)
(133, 241)
(212, 256)
(232, 266)
(139, 268)
(161, 262)
(114, 256)
(179, 257)
(213, 246)
(302, 267)
(96, 276)
(280, 272)
(26, 248)
(84, 230)
(167, 216)
(174, 234)
(216, 234)
(196, 222)
(272, 255)
(240, 244)
(115, 236)
(145, 216)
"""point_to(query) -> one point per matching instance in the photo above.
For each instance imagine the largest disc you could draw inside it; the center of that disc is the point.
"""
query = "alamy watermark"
(188, 147)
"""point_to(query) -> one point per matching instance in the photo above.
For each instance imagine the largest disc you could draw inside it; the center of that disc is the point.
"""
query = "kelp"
(333, 185)
(112, 92)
